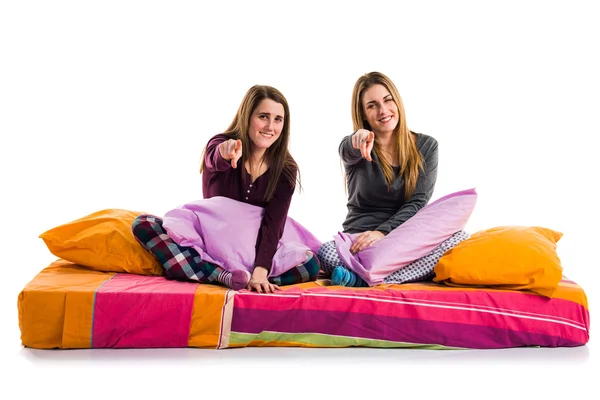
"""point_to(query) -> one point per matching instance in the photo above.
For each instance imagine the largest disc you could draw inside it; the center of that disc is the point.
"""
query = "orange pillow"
(102, 241)
(506, 257)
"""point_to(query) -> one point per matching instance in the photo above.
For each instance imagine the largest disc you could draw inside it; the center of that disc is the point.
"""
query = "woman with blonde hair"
(390, 173)
(250, 163)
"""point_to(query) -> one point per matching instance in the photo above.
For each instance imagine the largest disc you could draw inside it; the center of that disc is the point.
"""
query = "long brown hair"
(405, 147)
(278, 157)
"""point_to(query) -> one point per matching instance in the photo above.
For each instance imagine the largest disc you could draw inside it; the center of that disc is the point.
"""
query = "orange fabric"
(506, 257)
(572, 292)
(56, 307)
(205, 327)
(102, 241)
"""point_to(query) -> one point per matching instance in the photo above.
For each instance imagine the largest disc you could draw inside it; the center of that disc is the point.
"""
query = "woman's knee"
(326, 249)
(146, 224)
(328, 257)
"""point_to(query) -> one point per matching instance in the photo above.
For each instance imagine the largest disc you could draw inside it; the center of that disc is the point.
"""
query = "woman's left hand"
(260, 283)
(365, 239)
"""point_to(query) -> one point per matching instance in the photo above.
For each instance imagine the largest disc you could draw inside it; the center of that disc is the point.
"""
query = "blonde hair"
(279, 159)
(405, 147)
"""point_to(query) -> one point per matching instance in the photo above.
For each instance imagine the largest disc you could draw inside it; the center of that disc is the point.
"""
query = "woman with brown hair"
(249, 162)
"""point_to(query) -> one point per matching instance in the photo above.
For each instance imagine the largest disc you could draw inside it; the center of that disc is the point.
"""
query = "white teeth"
(386, 119)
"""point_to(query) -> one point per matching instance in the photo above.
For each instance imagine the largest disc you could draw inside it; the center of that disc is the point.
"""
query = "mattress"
(67, 306)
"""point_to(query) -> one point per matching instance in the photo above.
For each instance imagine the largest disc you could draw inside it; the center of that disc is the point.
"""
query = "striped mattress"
(68, 306)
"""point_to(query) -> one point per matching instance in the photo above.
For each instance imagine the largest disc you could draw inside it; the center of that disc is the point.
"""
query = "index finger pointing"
(368, 151)
(363, 148)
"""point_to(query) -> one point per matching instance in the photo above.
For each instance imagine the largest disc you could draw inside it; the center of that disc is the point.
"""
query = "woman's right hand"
(231, 150)
(260, 281)
(363, 140)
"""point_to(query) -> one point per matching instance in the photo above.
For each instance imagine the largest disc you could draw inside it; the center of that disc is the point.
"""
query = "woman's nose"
(269, 124)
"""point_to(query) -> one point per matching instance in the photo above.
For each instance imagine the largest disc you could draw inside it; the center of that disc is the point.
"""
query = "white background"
(108, 104)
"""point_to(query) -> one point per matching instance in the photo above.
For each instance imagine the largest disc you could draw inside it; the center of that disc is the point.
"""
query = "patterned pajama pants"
(184, 263)
(418, 270)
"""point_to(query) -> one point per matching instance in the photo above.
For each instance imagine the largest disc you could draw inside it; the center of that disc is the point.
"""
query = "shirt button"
(246, 198)
(250, 185)
(248, 191)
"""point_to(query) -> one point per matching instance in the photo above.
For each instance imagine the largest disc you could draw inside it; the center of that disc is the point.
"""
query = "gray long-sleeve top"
(371, 206)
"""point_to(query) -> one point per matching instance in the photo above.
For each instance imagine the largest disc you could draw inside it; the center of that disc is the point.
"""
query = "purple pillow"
(224, 232)
(415, 238)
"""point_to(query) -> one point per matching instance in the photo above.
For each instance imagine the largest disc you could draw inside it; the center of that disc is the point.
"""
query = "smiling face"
(380, 109)
(266, 122)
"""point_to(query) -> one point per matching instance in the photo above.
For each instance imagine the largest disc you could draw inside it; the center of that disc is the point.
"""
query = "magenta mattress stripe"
(380, 327)
(142, 311)
(555, 312)
(551, 317)
(499, 300)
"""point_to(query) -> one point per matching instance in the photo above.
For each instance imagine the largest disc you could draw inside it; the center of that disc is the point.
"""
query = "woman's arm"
(348, 153)
(214, 160)
(356, 146)
(423, 190)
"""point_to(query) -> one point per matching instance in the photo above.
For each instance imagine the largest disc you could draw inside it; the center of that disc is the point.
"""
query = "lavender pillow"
(224, 231)
(415, 238)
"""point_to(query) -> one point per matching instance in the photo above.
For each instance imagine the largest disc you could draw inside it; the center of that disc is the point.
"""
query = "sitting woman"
(390, 175)
(249, 162)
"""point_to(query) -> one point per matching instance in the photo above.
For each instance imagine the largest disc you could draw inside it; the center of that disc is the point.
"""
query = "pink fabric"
(224, 231)
(142, 311)
(415, 238)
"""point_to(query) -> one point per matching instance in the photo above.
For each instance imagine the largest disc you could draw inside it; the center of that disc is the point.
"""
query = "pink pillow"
(224, 231)
(414, 239)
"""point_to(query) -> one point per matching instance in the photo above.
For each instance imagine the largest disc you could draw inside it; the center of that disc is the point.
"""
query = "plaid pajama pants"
(184, 263)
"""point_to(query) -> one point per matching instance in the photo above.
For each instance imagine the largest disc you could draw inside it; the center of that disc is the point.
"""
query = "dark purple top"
(221, 179)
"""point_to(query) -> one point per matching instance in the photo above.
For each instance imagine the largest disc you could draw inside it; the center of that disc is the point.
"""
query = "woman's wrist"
(263, 271)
